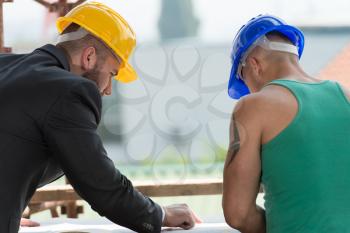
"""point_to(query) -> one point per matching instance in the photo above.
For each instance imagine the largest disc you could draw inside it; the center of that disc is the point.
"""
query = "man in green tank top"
(290, 132)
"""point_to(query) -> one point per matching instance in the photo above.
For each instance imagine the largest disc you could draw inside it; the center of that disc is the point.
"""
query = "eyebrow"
(119, 60)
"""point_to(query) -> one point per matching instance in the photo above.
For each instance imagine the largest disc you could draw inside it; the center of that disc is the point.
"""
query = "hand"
(180, 215)
(28, 223)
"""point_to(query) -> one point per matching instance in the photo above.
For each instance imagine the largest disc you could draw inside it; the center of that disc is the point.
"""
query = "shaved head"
(275, 56)
(263, 64)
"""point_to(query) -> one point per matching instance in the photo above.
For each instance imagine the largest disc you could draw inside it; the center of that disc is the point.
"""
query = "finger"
(28, 223)
(189, 222)
(187, 225)
(197, 219)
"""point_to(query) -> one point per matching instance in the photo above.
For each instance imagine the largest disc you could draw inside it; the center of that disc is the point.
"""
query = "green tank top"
(306, 167)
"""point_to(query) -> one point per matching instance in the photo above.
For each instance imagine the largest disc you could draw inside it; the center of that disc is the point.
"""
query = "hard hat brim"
(126, 74)
(236, 87)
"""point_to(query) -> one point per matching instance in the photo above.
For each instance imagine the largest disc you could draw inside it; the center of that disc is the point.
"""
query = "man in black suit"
(50, 103)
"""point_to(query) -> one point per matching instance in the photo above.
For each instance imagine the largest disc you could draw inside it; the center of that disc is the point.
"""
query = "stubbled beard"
(93, 75)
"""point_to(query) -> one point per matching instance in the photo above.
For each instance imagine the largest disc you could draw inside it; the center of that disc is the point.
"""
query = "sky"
(219, 19)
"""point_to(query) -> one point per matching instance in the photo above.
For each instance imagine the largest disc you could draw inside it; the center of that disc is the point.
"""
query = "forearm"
(115, 198)
(255, 221)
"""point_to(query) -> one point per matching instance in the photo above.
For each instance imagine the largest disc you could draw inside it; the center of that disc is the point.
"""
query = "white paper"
(70, 227)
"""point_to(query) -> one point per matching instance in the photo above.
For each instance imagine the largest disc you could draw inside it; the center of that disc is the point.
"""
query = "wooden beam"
(188, 188)
(62, 7)
(38, 207)
(44, 3)
(191, 187)
(71, 206)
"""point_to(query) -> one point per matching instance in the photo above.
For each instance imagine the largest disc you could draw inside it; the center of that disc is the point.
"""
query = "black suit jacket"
(48, 121)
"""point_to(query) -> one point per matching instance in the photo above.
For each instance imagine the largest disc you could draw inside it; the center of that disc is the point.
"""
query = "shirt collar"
(57, 53)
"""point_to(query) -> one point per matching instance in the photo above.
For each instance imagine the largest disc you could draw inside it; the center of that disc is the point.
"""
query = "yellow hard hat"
(107, 25)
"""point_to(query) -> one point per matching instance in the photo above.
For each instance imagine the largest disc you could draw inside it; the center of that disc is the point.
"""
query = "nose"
(108, 89)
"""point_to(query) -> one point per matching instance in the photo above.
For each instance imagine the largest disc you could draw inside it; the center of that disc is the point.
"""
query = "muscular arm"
(242, 170)
(234, 144)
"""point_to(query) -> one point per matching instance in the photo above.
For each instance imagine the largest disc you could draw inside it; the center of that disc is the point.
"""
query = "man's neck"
(75, 69)
(285, 70)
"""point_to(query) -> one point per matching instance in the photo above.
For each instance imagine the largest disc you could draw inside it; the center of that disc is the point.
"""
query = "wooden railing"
(191, 187)
(64, 196)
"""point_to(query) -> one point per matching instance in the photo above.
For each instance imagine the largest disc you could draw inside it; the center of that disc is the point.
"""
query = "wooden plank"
(188, 188)
(55, 193)
(71, 207)
(171, 188)
(38, 207)
(61, 7)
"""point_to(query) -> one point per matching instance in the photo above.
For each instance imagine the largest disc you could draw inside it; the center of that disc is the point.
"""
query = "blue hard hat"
(247, 35)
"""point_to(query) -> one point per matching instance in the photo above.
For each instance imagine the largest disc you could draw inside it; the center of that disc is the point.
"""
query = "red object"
(338, 68)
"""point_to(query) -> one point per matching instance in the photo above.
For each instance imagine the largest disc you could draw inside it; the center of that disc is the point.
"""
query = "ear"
(256, 66)
(88, 58)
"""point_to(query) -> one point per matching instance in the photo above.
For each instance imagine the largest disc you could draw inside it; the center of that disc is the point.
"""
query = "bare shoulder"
(272, 102)
(247, 105)
(251, 108)
(269, 97)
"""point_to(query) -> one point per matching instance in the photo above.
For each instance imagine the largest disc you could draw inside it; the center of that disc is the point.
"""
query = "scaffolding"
(61, 7)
